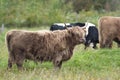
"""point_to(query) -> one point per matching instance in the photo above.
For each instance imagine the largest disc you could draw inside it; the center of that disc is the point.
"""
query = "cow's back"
(109, 25)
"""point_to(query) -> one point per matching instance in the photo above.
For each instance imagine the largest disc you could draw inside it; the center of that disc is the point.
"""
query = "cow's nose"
(83, 40)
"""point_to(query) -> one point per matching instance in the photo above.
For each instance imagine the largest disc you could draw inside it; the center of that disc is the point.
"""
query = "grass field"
(90, 64)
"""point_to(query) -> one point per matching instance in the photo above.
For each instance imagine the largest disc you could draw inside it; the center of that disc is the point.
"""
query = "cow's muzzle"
(83, 40)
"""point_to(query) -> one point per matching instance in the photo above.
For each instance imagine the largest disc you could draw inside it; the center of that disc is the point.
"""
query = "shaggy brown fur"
(56, 46)
(109, 30)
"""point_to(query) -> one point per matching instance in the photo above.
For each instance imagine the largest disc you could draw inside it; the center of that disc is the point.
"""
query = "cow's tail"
(8, 38)
(100, 24)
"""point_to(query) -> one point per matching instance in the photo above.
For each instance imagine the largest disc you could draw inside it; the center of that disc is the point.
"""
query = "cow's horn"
(86, 24)
(65, 25)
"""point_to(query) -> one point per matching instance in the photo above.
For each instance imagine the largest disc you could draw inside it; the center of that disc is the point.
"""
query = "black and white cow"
(91, 31)
(92, 36)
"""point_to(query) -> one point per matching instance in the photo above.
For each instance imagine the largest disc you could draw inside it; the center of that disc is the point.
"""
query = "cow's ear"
(84, 29)
(69, 31)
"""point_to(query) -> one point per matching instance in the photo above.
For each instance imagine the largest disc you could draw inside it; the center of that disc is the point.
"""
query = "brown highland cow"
(109, 30)
(56, 46)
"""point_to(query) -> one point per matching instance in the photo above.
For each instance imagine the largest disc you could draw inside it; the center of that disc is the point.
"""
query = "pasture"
(90, 64)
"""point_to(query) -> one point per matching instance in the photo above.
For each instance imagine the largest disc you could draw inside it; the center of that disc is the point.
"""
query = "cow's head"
(77, 34)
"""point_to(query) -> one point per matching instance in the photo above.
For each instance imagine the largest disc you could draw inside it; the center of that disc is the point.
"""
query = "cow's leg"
(57, 61)
(19, 65)
(87, 45)
(108, 43)
(103, 40)
(118, 45)
(20, 57)
(117, 41)
(9, 63)
(102, 43)
(94, 45)
(19, 62)
(10, 60)
(58, 64)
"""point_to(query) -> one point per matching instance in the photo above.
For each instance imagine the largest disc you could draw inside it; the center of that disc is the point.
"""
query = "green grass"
(90, 64)
(40, 12)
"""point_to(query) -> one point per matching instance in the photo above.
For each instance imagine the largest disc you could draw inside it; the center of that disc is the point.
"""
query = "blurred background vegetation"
(46, 12)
